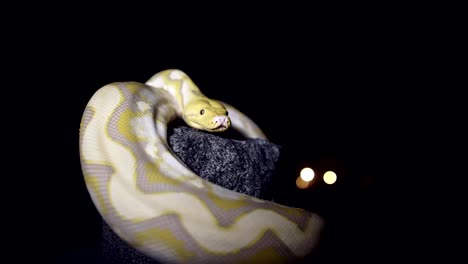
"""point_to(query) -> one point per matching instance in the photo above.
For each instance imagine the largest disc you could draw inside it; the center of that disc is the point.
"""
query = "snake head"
(206, 114)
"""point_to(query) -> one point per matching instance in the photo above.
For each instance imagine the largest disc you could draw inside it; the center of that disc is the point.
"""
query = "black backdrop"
(377, 101)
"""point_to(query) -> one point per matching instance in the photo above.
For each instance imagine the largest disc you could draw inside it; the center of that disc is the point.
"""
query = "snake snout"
(221, 121)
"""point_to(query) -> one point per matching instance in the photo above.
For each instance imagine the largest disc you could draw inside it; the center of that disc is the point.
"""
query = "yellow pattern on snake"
(155, 203)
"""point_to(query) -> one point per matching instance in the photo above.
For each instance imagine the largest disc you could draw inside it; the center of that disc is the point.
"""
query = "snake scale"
(155, 203)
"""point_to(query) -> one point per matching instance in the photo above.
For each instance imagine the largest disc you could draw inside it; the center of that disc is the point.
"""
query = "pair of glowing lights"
(307, 175)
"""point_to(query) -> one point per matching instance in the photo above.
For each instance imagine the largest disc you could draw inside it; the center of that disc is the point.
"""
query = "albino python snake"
(155, 203)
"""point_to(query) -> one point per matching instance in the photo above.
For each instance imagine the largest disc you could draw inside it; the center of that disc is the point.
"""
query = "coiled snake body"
(155, 203)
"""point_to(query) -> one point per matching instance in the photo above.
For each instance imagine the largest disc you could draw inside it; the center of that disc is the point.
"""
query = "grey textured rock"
(244, 166)
(116, 251)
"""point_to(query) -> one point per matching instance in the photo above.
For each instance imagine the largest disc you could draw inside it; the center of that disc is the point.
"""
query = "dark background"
(377, 100)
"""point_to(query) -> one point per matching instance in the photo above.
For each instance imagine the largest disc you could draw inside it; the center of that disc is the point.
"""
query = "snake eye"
(202, 111)
(227, 113)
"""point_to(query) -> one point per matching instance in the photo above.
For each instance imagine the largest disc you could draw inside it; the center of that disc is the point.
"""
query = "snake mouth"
(220, 128)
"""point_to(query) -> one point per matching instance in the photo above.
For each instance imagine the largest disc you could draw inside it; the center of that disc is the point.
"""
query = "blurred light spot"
(301, 184)
(329, 177)
(307, 174)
